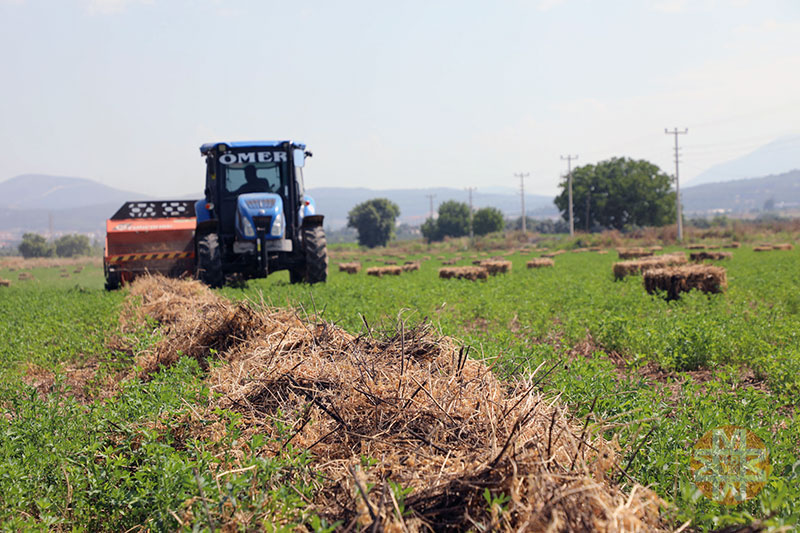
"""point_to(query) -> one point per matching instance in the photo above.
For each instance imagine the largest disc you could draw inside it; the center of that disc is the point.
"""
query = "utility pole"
(471, 234)
(522, 176)
(569, 159)
(677, 132)
(430, 197)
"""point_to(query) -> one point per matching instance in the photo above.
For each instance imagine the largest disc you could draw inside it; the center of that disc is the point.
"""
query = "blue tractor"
(255, 218)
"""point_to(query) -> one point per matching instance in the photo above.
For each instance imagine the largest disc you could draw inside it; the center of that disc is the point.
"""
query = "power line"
(569, 159)
(522, 176)
(430, 197)
(469, 190)
(677, 132)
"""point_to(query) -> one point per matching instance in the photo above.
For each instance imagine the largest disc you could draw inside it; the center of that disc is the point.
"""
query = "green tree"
(453, 221)
(72, 245)
(374, 220)
(35, 245)
(618, 193)
(487, 220)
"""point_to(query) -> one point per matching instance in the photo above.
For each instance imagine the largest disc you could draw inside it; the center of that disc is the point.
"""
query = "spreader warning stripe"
(149, 257)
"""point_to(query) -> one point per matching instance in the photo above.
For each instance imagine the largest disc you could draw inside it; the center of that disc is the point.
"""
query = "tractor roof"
(207, 147)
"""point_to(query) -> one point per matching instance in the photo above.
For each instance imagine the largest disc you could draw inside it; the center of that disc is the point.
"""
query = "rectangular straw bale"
(5, 283)
(496, 267)
(24, 276)
(384, 271)
(579, 250)
(733, 244)
(655, 248)
(696, 246)
(472, 273)
(677, 279)
(554, 254)
(350, 268)
(540, 262)
(637, 266)
(713, 256)
(633, 253)
(409, 266)
(783, 246)
(763, 248)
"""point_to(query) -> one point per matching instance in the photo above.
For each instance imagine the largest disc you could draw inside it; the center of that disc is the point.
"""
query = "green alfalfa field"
(85, 444)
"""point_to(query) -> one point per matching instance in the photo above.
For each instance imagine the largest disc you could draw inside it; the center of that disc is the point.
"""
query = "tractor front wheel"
(315, 252)
(209, 261)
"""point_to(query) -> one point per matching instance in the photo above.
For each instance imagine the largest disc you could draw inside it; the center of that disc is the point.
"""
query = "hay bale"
(390, 262)
(677, 279)
(713, 247)
(579, 250)
(763, 248)
(477, 261)
(633, 253)
(441, 423)
(602, 252)
(471, 273)
(655, 248)
(350, 268)
(554, 254)
(637, 266)
(384, 271)
(5, 282)
(696, 246)
(783, 246)
(733, 244)
(496, 267)
(24, 276)
(540, 263)
(410, 266)
(713, 256)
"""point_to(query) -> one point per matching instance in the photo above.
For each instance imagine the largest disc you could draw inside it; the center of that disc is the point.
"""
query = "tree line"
(619, 193)
(35, 245)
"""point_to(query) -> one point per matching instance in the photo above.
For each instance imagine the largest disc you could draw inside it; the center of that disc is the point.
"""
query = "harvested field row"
(437, 422)
(675, 280)
(713, 256)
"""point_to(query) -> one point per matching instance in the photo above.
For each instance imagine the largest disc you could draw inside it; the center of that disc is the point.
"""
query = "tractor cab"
(256, 209)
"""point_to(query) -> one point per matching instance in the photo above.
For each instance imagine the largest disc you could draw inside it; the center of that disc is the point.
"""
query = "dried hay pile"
(713, 256)
(433, 420)
(655, 248)
(495, 267)
(695, 246)
(350, 268)
(451, 261)
(579, 250)
(24, 276)
(384, 271)
(763, 248)
(554, 254)
(633, 253)
(733, 244)
(678, 279)
(637, 266)
(782, 246)
(472, 273)
(5, 282)
(540, 262)
(410, 266)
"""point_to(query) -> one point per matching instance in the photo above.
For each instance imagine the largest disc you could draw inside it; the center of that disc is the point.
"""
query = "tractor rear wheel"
(209, 261)
(315, 252)
(112, 280)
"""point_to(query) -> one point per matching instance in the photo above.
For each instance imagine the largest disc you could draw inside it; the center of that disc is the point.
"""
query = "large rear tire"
(209, 261)
(113, 280)
(315, 252)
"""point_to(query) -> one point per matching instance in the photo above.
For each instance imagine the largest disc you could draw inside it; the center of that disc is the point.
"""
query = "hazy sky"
(391, 94)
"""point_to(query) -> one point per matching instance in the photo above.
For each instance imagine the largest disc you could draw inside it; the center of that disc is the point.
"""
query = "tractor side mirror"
(299, 158)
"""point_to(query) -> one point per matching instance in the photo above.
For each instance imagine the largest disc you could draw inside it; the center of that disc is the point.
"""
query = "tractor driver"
(252, 182)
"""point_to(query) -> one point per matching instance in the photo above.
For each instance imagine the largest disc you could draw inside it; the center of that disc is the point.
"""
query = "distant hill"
(743, 196)
(777, 157)
(40, 191)
(335, 202)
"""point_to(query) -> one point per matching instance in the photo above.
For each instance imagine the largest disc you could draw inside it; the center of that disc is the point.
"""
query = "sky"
(405, 94)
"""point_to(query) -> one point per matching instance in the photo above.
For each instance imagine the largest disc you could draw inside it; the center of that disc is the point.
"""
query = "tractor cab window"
(254, 177)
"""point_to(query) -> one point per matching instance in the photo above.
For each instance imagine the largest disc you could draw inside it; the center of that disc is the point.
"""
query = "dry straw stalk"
(436, 421)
